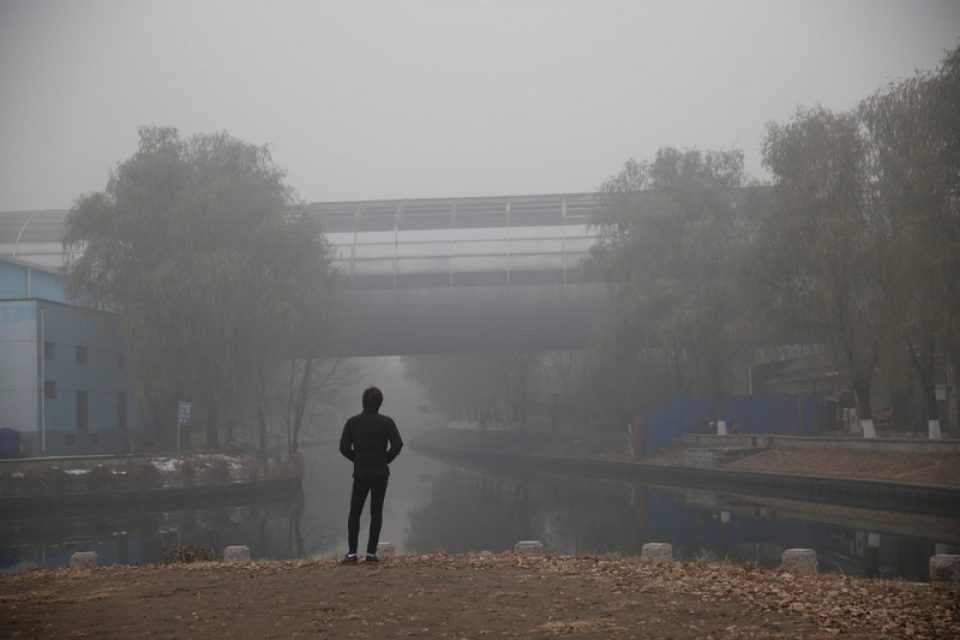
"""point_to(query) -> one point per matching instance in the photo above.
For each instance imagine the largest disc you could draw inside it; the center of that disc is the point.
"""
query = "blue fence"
(781, 414)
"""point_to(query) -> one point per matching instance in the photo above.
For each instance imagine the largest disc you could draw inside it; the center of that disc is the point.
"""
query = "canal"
(433, 506)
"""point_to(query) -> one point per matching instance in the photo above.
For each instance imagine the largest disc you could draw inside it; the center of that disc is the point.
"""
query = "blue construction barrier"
(9, 443)
(779, 414)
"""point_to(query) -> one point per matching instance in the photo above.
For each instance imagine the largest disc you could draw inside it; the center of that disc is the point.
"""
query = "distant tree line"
(855, 246)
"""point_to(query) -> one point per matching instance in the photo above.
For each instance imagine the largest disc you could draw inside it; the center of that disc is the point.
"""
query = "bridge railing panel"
(439, 264)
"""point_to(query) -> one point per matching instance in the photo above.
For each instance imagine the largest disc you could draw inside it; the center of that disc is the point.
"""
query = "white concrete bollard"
(236, 553)
(83, 559)
(945, 571)
(657, 551)
(529, 547)
(800, 561)
(933, 430)
(386, 549)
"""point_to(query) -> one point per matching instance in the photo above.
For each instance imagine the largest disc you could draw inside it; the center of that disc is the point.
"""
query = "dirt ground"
(470, 596)
(923, 468)
(895, 467)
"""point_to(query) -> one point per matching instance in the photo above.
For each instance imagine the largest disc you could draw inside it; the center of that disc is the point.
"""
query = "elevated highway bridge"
(437, 275)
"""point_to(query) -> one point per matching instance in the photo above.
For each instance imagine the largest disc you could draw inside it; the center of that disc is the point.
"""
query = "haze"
(416, 99)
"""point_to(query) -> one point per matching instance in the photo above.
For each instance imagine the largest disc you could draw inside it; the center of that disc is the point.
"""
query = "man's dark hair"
(372, 399)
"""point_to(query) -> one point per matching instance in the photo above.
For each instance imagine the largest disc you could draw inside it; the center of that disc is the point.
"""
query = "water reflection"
(432, 506)
(271, 530)
(469, 509)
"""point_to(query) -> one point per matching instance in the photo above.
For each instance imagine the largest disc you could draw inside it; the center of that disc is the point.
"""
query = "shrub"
(100, 478)
(187, 553)
(251, 469)
(11, 484)
(51, 480)
(188, 472)
(295, 465)
(144, 475)
(218, 472)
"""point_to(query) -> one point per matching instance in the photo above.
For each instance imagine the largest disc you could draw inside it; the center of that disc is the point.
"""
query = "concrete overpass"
(438, 275)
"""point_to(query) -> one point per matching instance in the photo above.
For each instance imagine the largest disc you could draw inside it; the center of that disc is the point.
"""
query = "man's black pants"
(377, 487)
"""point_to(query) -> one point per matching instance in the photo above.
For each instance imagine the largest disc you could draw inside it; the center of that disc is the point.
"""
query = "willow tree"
(914, 137)
(208, 260)
(821, 241)
(674, 231)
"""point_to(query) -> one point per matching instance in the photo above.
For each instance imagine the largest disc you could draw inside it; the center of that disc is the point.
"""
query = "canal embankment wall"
(44, 485)
(804, 443)
(577, 453)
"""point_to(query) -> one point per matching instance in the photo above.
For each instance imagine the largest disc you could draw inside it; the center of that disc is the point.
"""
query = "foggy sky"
(363, 100)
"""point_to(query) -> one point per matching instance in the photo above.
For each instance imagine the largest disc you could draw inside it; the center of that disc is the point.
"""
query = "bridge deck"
(433, 275)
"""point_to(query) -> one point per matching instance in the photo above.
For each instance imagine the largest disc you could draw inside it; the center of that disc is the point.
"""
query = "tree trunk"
(923, 364)
(721, 419)
(213, 425)
(931, 412)
(300, 406)
(262, 423)
(301, 552)
(288, 416)
(954, 381)
(718, 396)
(861, 389)
(294, 447)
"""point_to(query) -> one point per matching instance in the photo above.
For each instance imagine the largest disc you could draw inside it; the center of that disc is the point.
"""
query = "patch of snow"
(234, 465)
(166, 465)
(17, 474)
(77, 472)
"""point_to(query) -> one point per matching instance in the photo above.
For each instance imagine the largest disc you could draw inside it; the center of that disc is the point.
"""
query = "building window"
(121, 359)
(94, 438)
(81, 410)
(48, 350)
(81, 355)
(69, 439)
(122, 410)
(49, 390)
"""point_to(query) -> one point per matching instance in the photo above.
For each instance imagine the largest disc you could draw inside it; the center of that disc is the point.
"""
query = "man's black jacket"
(364, 440)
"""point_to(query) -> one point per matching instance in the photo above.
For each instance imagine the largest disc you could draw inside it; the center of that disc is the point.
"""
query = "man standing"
(364, 441)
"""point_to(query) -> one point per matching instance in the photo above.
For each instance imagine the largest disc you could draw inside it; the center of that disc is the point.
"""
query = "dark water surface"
(433, 506)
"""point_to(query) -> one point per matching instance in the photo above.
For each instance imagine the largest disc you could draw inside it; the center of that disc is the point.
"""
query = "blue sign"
(183, 413)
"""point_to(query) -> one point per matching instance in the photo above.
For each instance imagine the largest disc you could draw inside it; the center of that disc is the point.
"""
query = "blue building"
(63, 376)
